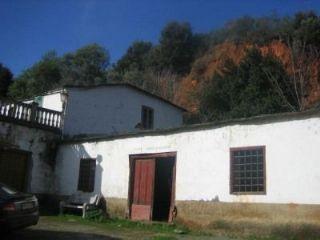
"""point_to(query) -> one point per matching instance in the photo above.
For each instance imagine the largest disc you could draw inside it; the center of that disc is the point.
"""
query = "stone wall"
(42, 146)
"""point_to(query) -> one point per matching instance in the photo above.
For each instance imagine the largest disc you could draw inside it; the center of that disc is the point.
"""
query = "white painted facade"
(114, 110)
(108, 109)
(203, 160)
(53, 101)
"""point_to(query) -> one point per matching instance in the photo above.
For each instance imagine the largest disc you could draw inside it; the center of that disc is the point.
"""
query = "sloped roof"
(256, 120)
(127, 85)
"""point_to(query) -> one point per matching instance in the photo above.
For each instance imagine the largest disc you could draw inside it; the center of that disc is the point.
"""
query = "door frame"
(132, 159)
(28, 168)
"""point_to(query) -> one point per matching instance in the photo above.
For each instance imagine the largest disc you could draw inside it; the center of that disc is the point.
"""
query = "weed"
(220, 224)
(297, 232)
(246, 221)
(267, 221)
(163, 238)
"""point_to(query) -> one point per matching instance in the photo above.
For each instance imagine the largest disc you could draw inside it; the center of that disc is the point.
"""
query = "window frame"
(147, 109)
(90, 189)
(264, 192)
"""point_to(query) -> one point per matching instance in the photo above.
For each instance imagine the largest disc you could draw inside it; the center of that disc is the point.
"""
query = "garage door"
(13, 168)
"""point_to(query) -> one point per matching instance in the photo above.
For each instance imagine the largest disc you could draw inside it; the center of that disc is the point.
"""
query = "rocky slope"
(212, 62)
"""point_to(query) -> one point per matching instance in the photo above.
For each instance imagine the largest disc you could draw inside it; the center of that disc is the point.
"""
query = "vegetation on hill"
(244, 90)
(86, 66)
(5, 81)
(250, 66)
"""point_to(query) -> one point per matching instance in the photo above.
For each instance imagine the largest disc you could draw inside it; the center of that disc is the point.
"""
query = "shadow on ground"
(34, 234)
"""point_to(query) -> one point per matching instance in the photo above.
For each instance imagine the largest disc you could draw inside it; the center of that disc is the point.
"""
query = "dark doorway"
(151, 189)
(163, 188)
(13, 168)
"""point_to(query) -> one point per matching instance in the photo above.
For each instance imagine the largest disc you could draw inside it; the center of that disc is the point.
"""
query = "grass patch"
(163, 238)
(220, 224)
(297, 232)
(116, 207)
(248, 230)
(252, 221)
(120, 224)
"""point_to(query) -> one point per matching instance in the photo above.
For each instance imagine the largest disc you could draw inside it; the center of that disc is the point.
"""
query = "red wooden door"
(143, 184)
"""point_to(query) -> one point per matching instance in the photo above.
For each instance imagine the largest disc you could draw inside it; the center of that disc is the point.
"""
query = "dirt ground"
(52, 230)
(48, 229)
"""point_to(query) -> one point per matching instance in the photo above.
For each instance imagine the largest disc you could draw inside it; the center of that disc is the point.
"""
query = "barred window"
(87, 172)
(147, 117)
(247, 167)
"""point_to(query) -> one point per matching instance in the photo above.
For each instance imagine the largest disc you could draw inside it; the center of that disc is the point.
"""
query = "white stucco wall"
(114, 110)
(292, 161)
(52, 101)
(36, 141)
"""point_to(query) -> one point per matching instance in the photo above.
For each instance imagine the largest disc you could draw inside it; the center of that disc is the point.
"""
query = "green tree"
(248, 29)
(5, 80)
(46, 74)
(135, 58)
(244, 90)
(306, 27)
(176, 50)
(86, 66)
(41, 77)
(20, 89)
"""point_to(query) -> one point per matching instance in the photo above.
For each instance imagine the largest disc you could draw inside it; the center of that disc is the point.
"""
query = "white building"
(110, 109)
(268, 159)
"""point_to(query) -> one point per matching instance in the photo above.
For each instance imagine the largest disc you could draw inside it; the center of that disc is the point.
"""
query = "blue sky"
(31, 28)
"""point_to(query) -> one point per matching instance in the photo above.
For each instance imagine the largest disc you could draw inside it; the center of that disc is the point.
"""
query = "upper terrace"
(30, 115)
